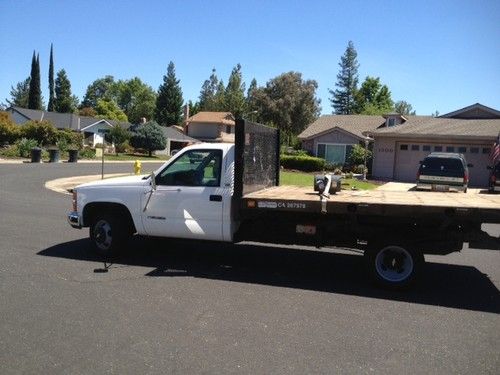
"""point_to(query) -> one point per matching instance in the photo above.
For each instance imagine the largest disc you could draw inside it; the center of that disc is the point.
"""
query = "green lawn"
(306, 179)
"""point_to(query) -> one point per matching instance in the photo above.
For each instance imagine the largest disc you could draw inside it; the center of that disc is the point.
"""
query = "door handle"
(216, 198)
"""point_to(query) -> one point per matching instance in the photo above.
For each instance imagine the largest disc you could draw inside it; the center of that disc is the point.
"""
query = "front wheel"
(394, 266)
(108, 234)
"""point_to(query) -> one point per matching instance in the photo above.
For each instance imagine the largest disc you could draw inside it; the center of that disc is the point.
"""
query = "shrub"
(42, 131)
(10, 152)
(69, 140)
(357, 155)
(87, 153)
(24, 147)
(302, 163)
(9, 131)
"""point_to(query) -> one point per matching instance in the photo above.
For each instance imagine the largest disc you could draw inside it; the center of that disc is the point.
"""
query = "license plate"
(440, 187)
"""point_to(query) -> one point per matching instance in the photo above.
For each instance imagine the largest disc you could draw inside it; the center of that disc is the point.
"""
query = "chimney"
(186, 113)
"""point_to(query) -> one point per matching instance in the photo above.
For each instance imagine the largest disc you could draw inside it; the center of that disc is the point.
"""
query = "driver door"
(188, 201)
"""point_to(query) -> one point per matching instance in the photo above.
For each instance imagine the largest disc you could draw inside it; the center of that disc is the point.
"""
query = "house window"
(486, 150)
(474, 150)
(334, 153)
(228, 129)
(403, 147)
(426, 148)
(462, 150)
(391, 122)
(415, 147)
(450, 149)
(438, 148)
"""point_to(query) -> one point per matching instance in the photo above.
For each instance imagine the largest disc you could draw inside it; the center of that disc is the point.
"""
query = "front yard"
(306, 180)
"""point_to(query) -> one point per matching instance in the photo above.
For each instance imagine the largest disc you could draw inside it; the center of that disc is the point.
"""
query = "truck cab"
(195, 189)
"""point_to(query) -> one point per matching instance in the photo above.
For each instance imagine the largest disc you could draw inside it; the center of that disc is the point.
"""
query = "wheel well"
(92, 209)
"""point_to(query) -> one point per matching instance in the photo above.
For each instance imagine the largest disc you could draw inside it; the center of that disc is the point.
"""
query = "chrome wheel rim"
(394, 264)
(102, 235)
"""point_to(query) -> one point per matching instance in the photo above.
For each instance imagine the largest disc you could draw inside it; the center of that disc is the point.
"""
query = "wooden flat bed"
(474, 207)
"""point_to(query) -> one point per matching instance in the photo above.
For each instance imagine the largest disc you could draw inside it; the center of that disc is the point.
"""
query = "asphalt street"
(183, 307)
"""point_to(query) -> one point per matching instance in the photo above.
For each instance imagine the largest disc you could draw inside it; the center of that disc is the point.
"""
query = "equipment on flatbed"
(321, 182)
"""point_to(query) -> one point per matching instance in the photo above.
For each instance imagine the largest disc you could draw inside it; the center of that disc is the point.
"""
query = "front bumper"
(74, 220)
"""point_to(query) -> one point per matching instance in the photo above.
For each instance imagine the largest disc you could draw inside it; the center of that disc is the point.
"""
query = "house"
(332, 137)
(211, 126)
(93, 128)
(175, 140)
(400, 142)
(471, 131)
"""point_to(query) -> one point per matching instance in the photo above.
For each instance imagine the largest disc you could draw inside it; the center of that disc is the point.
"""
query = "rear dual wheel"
(394, 266)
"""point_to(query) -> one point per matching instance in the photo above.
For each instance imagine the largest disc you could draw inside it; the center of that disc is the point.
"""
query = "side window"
(193, 168)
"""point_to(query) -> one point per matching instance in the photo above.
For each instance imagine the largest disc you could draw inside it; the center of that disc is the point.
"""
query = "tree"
(404, 108)
(207, 93)
(35, 91)
(194, 108)
(373, 98)
(169, 101)
(118, 136)
(87, 111)
(64, 102)
(97, 90)
(250, 102)
(108, 109)
(219, 101)
(288, 102)
(149, 137)
(135, 98)
(342, 99)
(19, 95)
(234, 96)
(51, 106)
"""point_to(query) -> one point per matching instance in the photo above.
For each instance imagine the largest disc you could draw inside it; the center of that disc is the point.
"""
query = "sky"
(436, 55)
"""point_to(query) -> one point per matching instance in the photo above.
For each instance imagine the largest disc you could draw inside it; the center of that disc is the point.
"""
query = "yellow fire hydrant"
(137, 167)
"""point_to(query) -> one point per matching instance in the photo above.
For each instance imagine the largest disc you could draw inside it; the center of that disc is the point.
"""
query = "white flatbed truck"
(231, 193)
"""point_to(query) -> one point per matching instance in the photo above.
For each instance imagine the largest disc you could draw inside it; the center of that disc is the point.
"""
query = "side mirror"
(470, 165)
(153, 181)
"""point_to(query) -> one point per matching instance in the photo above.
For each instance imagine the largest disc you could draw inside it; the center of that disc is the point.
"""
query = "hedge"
(302, 163)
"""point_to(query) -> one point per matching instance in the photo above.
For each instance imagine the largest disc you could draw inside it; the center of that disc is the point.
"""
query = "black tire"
(108, 233)
(394, 267)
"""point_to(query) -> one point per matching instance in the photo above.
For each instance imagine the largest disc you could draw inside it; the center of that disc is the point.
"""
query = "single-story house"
(93, 128)
(400, 142)
(332, 137)
(211, 126)
(175, 140)
(471, 131)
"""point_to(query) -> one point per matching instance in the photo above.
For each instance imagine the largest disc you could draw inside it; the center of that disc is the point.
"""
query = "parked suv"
(494, 181)
(441, 171)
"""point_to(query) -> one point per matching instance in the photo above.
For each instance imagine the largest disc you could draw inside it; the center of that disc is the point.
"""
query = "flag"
(495, 151)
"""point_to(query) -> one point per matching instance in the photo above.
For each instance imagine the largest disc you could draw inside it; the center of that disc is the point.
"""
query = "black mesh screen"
(257, 157)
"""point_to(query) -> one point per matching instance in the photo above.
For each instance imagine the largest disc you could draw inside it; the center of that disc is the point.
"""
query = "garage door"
(408, 156)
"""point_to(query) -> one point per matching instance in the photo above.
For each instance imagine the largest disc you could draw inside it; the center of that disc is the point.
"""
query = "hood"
(117, 181)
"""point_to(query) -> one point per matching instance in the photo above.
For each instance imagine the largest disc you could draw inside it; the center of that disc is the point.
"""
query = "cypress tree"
(35, 93)
(169, 101)
(50, 106)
